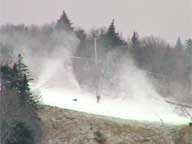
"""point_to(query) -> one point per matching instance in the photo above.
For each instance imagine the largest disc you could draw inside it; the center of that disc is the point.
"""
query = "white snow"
(86, 102)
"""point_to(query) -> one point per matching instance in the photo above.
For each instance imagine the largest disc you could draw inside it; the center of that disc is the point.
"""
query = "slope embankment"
(61, 126)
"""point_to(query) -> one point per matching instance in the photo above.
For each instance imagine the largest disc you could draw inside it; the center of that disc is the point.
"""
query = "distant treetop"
(64, 23)
(135, 38)
(179, 45)
(113, 37)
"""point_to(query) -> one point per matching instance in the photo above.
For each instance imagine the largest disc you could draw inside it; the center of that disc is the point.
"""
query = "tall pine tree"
(179, 45)
(64, 23)
(112, 38)
(22, 82)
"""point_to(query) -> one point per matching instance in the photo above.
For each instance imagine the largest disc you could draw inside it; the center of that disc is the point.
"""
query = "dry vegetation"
(63, 126)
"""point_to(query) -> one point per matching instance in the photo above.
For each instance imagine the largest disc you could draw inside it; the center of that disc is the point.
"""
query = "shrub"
(99, 137)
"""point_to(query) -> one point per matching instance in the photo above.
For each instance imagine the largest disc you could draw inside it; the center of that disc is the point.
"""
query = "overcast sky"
(163, 18)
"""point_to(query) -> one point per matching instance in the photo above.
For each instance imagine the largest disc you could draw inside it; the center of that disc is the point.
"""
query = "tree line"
(168, 67)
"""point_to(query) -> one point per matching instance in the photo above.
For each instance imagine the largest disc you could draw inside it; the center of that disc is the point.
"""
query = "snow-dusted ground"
(120, 108)
(133, 96)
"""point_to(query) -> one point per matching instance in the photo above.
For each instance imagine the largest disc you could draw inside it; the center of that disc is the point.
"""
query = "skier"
(98, 98)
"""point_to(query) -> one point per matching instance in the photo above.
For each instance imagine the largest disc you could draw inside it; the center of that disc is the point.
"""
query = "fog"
(133, 98)
(49, 51)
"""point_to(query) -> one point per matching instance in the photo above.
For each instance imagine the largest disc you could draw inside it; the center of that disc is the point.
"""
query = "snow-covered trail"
(120, 108)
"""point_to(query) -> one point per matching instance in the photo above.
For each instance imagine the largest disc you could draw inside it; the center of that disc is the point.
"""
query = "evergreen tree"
(22, 81)
(179, 45)
(135, 39)
(138, 53)
(188, 52)
(7, 73)
(21, 68)
(189, 45)
(64, 23)
(112, 37)
(111, 32)
(188, 56)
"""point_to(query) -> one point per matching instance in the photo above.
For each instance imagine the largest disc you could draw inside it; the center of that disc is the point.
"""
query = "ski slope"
(121, 108)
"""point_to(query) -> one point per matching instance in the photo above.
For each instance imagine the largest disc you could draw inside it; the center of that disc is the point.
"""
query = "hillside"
(61, 126)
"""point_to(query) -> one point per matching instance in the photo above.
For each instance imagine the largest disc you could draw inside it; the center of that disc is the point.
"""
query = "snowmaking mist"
(49, 52)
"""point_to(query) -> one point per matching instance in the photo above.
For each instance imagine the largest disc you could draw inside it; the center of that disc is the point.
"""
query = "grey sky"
(164, 18)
